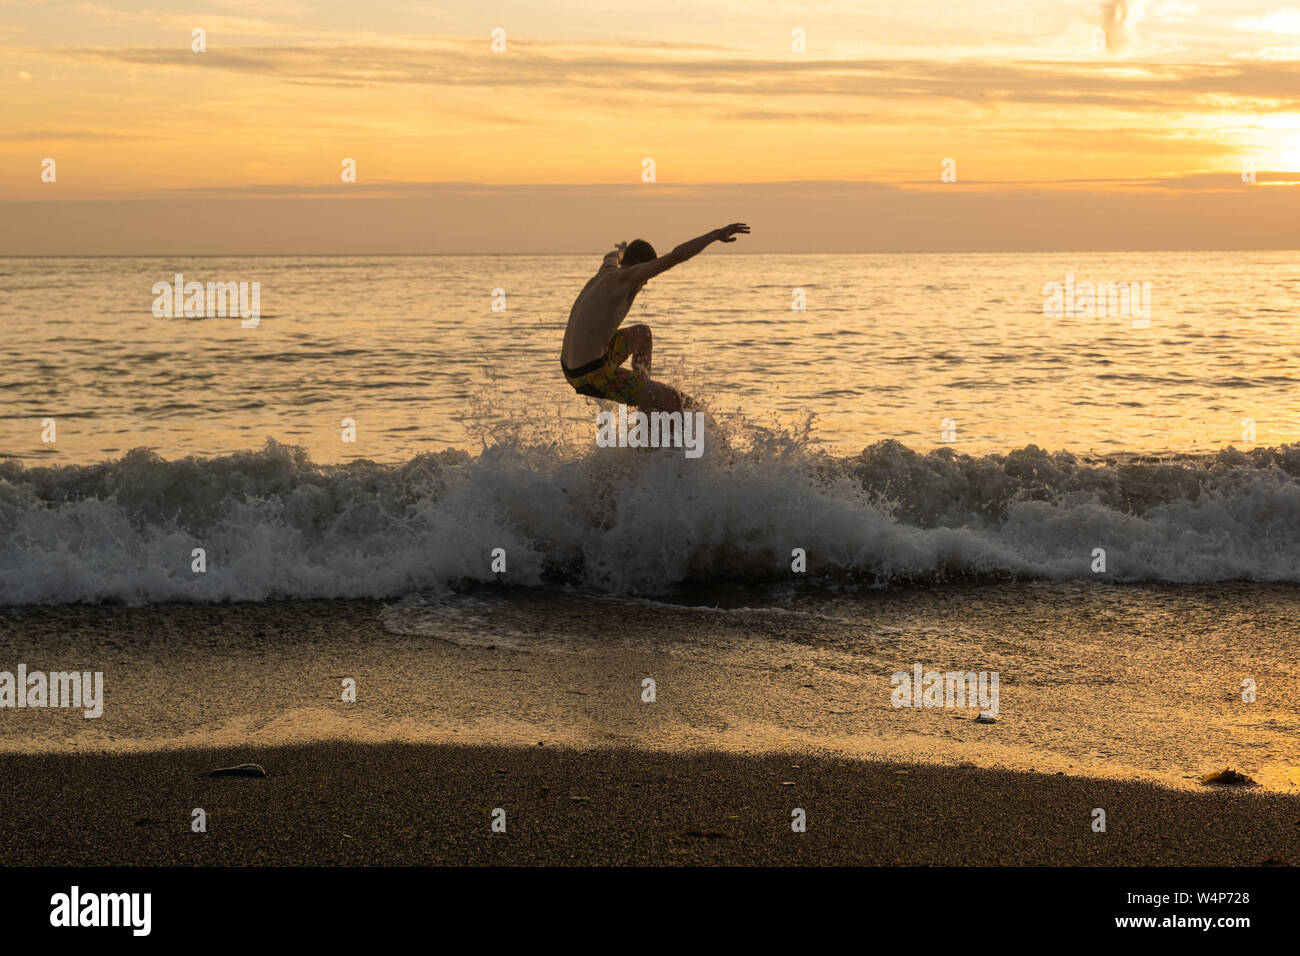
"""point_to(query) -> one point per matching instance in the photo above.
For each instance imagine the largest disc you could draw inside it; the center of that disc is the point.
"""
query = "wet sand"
(1129, 683)
(536, 704)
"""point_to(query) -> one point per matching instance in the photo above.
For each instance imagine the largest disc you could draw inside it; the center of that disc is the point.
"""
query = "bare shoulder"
(609, 284)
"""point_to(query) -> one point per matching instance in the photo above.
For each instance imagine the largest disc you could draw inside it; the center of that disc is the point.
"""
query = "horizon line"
(588, 252)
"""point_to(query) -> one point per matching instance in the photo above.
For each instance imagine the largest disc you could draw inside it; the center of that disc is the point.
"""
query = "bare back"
(597, 313)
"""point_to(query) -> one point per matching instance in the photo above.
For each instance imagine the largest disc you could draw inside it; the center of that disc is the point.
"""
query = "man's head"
(637, 252)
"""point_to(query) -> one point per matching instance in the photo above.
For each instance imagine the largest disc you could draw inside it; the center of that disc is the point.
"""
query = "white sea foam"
(630, 522)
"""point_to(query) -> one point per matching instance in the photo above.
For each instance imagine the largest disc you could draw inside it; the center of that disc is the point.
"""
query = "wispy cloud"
(1284, 21)
(1119, 19)
(66, 135)
(598, 71)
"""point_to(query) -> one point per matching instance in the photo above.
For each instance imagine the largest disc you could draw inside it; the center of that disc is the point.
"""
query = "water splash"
(274, 524)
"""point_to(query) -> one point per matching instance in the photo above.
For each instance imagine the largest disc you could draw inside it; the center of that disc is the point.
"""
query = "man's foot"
(657, 397)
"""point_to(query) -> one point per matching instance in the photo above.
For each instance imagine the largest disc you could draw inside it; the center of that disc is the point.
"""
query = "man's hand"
(648, 270)
(614, 258)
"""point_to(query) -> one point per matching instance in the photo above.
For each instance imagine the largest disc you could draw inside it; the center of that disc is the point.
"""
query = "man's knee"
(639, 336)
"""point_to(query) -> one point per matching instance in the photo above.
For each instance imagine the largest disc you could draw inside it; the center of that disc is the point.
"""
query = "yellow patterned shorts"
(603, 378)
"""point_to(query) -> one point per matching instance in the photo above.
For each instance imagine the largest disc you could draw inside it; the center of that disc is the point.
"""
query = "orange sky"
(1090, 108)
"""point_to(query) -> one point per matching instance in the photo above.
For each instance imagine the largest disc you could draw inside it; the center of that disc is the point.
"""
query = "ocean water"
(921, 421)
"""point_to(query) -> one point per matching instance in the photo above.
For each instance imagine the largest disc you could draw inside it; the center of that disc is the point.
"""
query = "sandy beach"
(406, 804)
(521, 704)
(1126, 682)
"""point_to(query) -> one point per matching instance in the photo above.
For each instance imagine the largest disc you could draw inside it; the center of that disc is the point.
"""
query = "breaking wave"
(623, 521)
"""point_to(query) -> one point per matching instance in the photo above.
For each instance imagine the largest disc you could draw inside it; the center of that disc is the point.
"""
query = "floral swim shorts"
(603, 378)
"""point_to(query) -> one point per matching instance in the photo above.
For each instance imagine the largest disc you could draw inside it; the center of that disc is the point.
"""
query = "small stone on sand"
(1228, 778)
(243, 770)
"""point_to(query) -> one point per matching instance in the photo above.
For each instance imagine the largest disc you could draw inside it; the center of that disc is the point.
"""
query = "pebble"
(1229, 778)
(243, 770)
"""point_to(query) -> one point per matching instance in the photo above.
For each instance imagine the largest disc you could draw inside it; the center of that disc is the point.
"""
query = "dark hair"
(637, 252)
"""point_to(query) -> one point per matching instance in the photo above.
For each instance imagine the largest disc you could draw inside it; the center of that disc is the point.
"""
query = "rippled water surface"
(889, 346)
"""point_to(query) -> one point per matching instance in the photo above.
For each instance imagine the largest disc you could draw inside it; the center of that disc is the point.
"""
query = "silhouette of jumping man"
(595, 348)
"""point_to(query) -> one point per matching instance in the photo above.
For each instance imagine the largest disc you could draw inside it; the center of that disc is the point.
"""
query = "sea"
(387, 422)
(1078, 471)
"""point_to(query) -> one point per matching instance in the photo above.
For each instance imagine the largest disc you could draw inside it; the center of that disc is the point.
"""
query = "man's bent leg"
(642, 343)
(634, 340)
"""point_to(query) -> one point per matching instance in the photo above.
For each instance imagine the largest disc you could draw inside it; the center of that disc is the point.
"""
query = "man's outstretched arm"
(614, 257)
(648, 270)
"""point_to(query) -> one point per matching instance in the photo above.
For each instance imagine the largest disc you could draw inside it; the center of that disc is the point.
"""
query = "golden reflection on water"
(917, 348)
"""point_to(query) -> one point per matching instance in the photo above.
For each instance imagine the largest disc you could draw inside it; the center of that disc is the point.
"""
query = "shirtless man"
(594, 351)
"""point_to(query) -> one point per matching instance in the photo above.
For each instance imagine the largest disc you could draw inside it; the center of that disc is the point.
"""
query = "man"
(594, 346)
